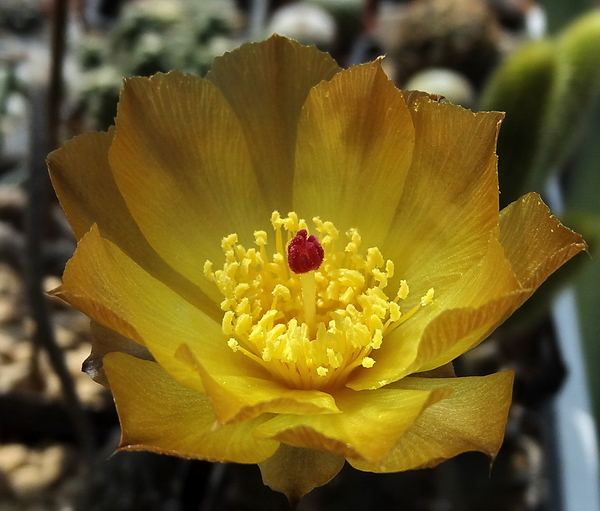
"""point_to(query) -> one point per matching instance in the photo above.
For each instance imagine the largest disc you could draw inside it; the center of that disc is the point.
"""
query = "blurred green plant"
(547, 89)
(150, 37)
(21, 16)
(582, 195)
(561, 13)
(520, 87)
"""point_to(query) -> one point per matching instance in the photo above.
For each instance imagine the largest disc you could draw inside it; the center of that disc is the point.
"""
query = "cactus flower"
(282, 259)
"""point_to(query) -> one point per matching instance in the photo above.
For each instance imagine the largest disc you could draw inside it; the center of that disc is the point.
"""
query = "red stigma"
(304, 253)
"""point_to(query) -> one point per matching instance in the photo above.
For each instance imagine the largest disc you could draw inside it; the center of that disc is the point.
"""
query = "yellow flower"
(215, 349)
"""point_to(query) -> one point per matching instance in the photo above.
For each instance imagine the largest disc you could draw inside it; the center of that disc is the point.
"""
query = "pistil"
(309, 301)
(305, 255)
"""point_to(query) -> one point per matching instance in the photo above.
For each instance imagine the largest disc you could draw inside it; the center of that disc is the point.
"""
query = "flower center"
(312, 326)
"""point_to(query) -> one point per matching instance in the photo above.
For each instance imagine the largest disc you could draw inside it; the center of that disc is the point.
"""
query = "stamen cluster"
(265, 316)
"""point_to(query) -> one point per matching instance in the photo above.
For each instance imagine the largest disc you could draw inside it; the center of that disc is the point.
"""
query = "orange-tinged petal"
(77, 185)
(472, 418)
(443, 235)
(295, 471)
(266, 85)
(456, 331)
(87, 191)
(181, 162)
(102, 282)
(158, 414)
(355, 143)
(449, 207)
(446, 219)
(458, 319)
(482, 299)
(236, 398)
(535, 242)
(369, 425)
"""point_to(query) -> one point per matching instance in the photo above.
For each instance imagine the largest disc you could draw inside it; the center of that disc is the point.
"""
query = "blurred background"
(61, 70)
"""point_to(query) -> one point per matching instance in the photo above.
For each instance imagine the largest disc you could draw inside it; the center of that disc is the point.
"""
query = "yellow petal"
(369, 425)
(236, 398)
(445, 223)
(102, 282)
(294, 471)
(354, 149)
(472, 418)
(480, 301)
(266, 85)
(449, 207)
(535, 242)
(181, 162)
(158, 414)
(87, 192)
(458, 319)
(76, 170)
(456, 331)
